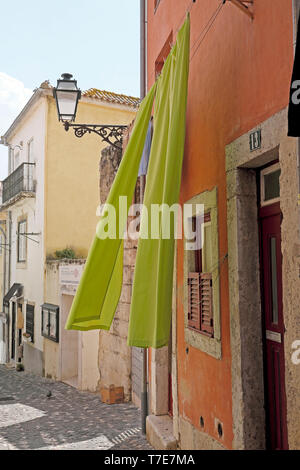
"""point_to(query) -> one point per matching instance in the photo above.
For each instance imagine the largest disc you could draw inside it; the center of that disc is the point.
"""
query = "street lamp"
(67, 95)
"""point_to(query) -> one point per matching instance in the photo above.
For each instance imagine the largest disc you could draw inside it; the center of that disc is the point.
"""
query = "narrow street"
(69, 419)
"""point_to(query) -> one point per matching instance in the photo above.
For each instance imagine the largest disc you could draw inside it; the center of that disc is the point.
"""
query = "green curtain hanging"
(151, 304)
(99, 290)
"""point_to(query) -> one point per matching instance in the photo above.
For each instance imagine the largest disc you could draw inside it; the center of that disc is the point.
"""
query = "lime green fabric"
(99, 290)
(151, 304)
(100, 286)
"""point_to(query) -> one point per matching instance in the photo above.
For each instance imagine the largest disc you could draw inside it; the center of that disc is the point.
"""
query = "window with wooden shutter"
(30, 321)
(194, 300)
(206, 304)
(200, 289)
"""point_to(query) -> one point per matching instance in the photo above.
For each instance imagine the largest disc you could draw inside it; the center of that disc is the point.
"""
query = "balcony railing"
(20, 180)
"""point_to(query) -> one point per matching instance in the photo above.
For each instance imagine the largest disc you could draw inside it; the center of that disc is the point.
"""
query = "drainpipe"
(144, 388)
(143, 48)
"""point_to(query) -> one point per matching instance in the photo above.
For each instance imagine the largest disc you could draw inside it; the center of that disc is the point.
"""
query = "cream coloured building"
(50, 198)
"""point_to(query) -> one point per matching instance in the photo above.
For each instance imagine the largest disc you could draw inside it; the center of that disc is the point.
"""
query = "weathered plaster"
(290, 244)
(193, 439)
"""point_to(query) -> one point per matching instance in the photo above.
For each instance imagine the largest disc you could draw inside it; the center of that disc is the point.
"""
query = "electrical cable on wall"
(204, 31)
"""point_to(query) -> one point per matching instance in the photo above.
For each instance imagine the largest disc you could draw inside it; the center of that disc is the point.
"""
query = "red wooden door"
(273, 326)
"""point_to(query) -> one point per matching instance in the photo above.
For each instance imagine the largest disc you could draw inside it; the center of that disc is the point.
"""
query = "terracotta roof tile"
(112, 97)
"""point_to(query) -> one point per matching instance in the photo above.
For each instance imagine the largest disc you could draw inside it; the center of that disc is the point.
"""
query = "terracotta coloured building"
(229, 378)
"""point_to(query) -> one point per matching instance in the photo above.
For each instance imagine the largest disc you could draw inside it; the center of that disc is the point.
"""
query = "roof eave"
(33, 99)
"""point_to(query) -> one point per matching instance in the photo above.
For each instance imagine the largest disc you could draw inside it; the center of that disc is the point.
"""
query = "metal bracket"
(26, 235)
(244, 5)
(112, 134)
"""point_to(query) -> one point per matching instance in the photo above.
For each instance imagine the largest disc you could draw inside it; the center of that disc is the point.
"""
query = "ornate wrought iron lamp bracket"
(112, 134)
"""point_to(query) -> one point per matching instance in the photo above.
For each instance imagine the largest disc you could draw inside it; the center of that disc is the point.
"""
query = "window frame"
(198, 277)
(205, 343)
(19, 260)
(266, 171)
(31, 332)
(48, 309)
(162, 56)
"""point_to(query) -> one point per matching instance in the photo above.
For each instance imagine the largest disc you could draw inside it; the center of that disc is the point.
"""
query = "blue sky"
(96, 40)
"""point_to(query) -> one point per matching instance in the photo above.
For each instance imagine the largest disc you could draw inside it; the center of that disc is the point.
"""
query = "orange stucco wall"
(239, 76)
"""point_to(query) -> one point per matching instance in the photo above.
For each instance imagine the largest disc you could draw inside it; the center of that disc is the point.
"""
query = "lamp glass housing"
(67, 96)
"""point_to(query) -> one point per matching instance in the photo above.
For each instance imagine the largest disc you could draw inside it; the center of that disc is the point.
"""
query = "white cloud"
(13, 97)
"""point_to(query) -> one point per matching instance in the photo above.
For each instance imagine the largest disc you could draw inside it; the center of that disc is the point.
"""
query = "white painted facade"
(42, 208)
(28, 142)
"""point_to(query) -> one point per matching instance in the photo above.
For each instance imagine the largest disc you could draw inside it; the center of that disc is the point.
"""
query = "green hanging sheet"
(151, 304)
(100, 287)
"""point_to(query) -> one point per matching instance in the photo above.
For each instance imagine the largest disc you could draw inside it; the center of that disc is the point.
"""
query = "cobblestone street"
(69, 419)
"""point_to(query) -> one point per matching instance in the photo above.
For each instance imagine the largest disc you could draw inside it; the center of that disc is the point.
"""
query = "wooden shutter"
(194, 300)
(200, 303)
(30, 320)
(206, 304)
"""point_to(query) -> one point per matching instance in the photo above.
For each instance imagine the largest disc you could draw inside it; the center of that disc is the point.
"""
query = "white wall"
(31, 273)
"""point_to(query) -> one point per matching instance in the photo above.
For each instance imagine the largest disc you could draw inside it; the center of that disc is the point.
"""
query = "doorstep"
(159, 430)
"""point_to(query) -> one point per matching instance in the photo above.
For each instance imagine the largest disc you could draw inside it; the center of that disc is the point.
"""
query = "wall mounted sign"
(69, 277)
(255, 140)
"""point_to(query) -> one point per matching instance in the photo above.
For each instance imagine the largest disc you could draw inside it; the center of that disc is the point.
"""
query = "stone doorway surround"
(244, 275)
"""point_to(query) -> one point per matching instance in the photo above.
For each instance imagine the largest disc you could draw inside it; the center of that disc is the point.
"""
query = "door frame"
(246, 340)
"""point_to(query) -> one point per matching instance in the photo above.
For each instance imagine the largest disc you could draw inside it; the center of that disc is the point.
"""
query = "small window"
(30, 321)
(160, 61)
(270, 185)
(200, 292)
(22, 241)
(50, 322)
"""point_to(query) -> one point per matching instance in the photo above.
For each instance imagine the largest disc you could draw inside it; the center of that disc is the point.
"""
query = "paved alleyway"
(68, 420)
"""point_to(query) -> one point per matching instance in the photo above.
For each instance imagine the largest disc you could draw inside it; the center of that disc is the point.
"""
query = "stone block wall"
(114, 354)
